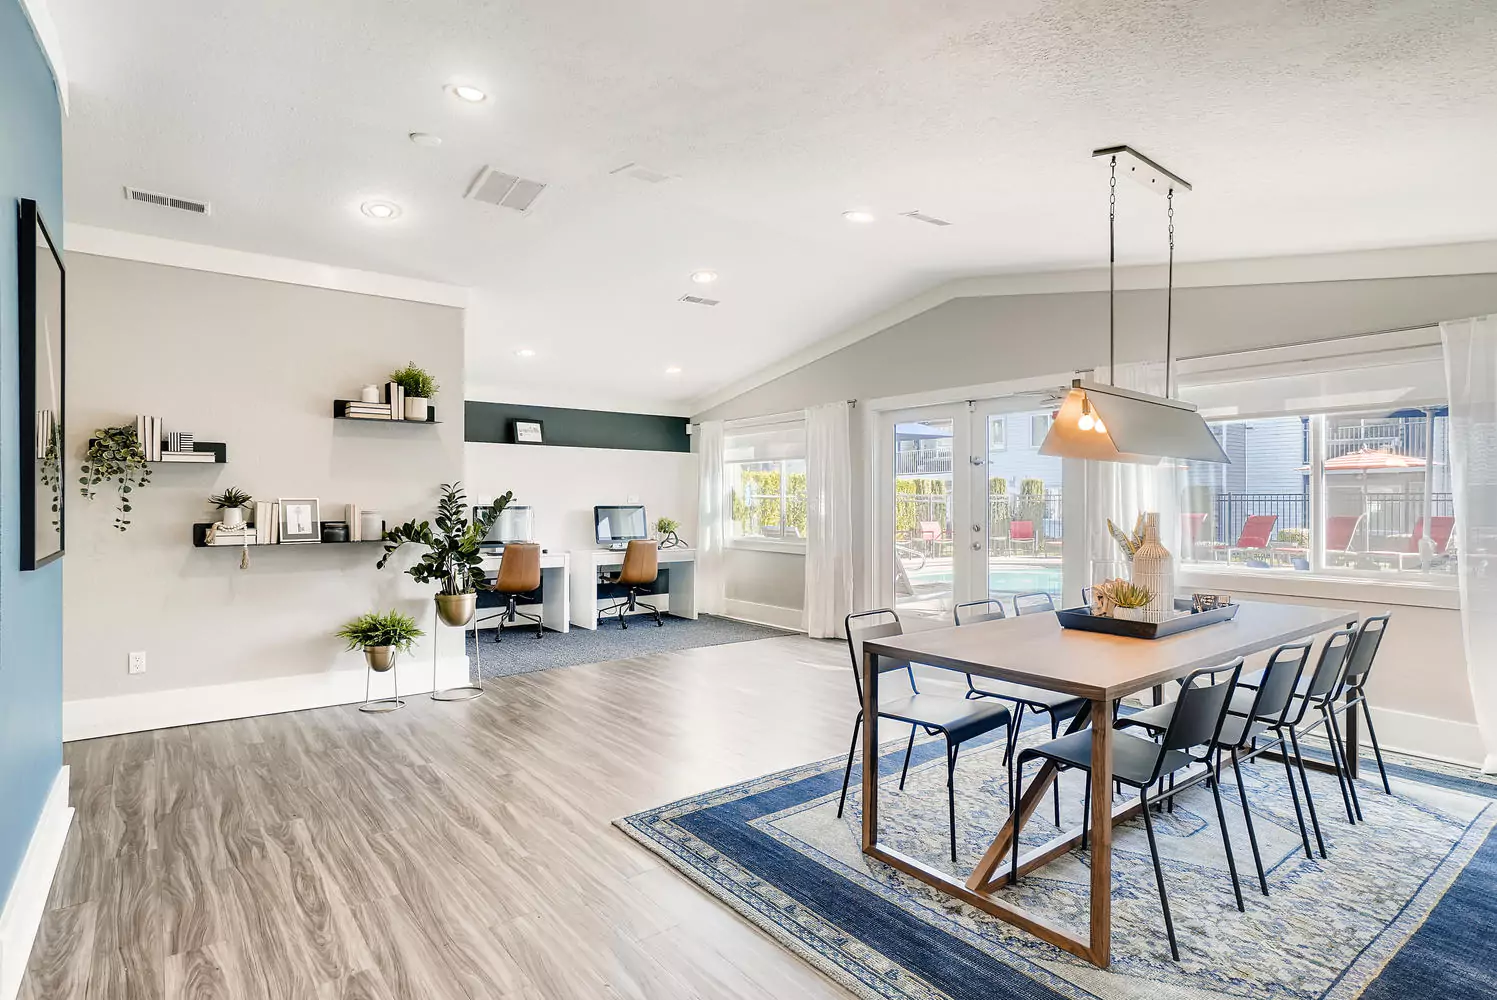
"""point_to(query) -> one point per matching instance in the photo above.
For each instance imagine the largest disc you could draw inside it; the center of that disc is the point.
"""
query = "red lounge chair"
(1022, 531)
(1341, 531)
(1440, 530)
(1256, 532)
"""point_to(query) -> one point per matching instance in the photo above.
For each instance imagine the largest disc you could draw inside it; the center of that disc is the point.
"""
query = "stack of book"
(219, 535)
(148, 433)
(267, 526)
(355, 410)
(395, 396)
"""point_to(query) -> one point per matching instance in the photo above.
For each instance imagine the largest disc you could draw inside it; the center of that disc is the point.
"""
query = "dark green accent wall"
(492, 422)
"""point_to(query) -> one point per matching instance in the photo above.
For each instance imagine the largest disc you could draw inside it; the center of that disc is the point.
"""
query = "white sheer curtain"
(1471, 378)
(828, 519)
(712, 519)
(1121, 491)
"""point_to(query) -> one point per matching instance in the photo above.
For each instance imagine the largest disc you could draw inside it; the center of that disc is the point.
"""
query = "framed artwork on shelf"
(43, 344)
(529, 432)
(300, 522)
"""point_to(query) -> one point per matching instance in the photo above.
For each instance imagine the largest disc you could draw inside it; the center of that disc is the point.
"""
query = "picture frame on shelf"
(529, 432)
(300, 521)
(42, 300)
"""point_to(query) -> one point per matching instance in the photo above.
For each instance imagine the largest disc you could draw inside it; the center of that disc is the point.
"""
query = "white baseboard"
(88, 718)
(27, 901)
(765, 614)
(1426, 736)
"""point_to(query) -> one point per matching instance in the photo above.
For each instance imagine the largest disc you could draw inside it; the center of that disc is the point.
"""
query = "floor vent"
(697, 300)
(640, 173)
(167, 201)
(494, 187)
(922, 217)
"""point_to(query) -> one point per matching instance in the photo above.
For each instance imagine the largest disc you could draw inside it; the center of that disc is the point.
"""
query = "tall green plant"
(452, 558)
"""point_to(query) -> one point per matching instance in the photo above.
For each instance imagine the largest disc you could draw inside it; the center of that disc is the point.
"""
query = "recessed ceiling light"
(673, 370)
(858, 215)
(426, 139)
(704, 277)
(524, 352)
(464, 92)
(381, 210)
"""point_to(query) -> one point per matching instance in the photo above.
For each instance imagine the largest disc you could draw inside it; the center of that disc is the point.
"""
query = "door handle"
(976, 527)
(976, 546)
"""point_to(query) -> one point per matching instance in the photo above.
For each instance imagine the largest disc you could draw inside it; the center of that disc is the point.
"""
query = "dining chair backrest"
(863, 626)
(1326, 676)
(978, 611)
(1029, 604)
(1021, 531)
(1279, 682)
(1363, 650)
(1256, 531)
(1200, 711)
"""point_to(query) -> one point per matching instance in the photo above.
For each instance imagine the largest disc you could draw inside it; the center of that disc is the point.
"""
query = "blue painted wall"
(30, 603)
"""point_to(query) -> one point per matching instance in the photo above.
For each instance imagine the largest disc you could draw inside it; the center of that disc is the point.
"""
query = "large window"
(765, 475)
(1364, 494)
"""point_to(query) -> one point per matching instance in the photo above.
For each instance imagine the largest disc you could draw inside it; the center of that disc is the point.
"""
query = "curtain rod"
(1311, 343)
(768, 418)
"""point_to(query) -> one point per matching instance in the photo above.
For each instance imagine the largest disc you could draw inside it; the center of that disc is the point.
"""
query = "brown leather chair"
(519, 573)
(641, 568)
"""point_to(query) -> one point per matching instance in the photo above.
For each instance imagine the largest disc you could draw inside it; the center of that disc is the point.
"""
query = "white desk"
(681, 597)
(556, 589)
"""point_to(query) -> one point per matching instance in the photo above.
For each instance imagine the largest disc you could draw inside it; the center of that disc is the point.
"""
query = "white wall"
(564, 484)
(255, 364)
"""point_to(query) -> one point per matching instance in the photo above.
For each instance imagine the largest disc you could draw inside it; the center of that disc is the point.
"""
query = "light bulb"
(1099, 428)
(1086, 422)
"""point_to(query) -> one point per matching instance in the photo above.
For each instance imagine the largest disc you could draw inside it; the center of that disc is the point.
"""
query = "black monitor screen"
(620, 524)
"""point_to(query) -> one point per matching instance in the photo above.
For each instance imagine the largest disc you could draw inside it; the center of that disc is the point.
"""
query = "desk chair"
(641, 568)
(519, 573)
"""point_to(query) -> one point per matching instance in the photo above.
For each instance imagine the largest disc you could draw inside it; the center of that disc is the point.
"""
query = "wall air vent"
(167, 201)
(494, 187)
(640, 173)
(697, 300)
(922, 217)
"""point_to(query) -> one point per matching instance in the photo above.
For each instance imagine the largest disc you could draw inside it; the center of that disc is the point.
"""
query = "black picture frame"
(524, 431)
(42, 286)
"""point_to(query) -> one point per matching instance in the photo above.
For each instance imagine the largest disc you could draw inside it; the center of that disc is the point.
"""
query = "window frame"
(761, 543)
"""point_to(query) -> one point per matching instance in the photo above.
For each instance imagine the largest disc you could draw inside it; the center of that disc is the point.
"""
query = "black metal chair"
(1353, 692)
(1264, 710)
(1055, 704)
(1196, 721)
(1031, 604)
(957, 719)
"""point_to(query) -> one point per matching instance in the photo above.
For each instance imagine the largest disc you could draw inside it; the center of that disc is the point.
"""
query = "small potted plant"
(380, 636)
(419, 388)
(452, 559)
(1130, 602)
(665, 530)
(232, 502)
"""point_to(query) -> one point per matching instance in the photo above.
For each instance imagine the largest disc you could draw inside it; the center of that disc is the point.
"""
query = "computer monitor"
(620, 524)
(515, 523)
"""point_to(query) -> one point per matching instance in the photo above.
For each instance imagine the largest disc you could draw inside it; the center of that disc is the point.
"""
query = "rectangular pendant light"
(1136, 427)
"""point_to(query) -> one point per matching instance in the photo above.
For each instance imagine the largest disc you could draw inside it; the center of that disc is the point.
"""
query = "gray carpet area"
(522, 653)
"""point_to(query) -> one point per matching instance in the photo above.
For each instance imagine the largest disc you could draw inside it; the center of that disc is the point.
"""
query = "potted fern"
(232, 502)
(419, 387)
(381, 636)
(452, 558)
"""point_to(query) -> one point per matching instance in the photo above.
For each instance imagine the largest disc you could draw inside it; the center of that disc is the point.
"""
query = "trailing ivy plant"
(115, 457)
(452, 558)
(51, 471)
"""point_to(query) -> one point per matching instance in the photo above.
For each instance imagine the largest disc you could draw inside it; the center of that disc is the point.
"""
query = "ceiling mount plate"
(1132, 163)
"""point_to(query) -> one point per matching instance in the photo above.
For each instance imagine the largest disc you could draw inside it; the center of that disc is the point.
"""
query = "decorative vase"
(1154, 568)
(369, 394)
(233, 517)
(416, 407)
(379, 658)
(456, 609)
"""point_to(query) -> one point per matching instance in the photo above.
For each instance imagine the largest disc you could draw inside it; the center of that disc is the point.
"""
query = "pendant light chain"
(1169, 301)
(1112, 260)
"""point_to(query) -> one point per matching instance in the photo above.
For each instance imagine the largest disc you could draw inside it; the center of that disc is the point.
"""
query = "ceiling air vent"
(495, 187)
(922, 217)
(167, 201)
(640, 173)
(697, 300)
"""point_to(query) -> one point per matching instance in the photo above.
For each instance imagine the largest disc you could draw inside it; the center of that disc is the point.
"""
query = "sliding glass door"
(925, 522)
(1019, 493)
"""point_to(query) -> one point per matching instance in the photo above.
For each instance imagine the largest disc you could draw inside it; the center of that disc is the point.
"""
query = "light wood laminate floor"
(445, 850)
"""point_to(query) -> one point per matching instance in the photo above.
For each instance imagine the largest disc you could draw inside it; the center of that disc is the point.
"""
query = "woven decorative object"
(1154, 567)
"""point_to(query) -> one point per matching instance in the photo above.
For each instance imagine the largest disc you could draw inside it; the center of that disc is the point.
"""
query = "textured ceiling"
(1305, 126)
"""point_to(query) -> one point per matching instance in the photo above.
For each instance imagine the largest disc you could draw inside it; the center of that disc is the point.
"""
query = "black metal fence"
(1390, 518)
(913, 510)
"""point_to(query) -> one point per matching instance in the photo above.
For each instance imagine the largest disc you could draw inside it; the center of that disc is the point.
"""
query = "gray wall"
(254, 364)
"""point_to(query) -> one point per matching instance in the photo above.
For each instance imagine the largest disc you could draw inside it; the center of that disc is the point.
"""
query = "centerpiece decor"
(1130, 602)
(419, 388)
(1154, 569)
(452, 558)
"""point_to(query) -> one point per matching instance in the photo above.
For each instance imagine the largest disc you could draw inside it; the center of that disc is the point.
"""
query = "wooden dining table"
(1036, 650)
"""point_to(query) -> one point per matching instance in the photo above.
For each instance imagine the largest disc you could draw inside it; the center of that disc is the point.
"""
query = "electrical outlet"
(138, 662)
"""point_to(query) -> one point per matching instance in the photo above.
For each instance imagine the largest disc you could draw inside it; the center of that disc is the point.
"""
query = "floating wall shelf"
(340, 412)
(218, 448)
(200, 536)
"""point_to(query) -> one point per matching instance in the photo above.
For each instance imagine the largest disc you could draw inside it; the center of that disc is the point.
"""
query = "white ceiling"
(1305, 126)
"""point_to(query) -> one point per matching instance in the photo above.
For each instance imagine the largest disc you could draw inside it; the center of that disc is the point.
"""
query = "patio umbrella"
(1365, 460)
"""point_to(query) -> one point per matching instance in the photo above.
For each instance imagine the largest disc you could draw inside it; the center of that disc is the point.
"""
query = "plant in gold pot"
(381, 636)
(452, 558)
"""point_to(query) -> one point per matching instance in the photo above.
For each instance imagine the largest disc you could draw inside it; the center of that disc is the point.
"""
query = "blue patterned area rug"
(1404, 907)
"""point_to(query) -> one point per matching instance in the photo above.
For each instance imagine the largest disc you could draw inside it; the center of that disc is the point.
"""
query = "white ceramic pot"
(369, 394)
(1130, 614)
(416, 407)
(233, 517)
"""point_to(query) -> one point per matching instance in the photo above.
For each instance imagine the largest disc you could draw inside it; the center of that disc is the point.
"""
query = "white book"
(156, 439)
(351, 516)
(275, 522)
(198, 457)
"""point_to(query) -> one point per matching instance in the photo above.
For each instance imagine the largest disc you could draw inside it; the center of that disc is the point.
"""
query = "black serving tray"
(1085, 621)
